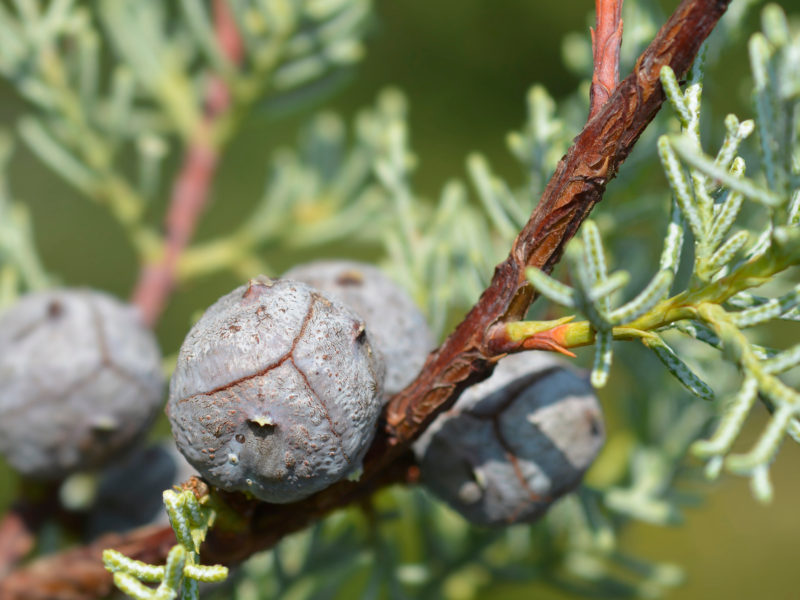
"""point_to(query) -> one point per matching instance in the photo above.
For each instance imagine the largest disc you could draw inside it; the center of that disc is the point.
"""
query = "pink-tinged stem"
(193, 182)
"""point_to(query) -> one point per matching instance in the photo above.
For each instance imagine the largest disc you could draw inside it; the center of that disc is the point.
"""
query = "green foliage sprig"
(716, 305)
(444, 250)
(442, 253)
(190, 520)
(20, 267)
(320, 193)
(85, 126)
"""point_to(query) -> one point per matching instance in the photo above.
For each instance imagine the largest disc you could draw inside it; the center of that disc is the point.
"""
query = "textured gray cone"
(514, 443)
(397, 328)
(276, 391)
(80, 381)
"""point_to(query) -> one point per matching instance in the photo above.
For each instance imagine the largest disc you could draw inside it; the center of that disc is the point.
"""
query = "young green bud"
(515, 443)
(80, 381)
(276, 391)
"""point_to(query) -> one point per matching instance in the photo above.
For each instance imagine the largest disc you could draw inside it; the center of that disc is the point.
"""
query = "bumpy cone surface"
(397, 328)
(276, 391)
(513, 443)
(80, 380)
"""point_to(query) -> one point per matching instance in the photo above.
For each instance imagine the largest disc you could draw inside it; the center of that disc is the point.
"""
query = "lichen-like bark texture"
(276, 391)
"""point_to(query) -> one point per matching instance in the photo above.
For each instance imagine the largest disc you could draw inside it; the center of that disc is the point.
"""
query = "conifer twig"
(576, 186)
(193, 182)
(606, 41)
(463, 359)
(75, 575)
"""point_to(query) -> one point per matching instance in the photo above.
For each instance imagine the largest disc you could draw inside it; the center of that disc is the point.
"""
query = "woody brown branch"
(606, 40)
(576, 186)
(464, 358)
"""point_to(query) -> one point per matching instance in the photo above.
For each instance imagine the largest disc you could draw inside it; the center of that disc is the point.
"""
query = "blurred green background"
(465, 66)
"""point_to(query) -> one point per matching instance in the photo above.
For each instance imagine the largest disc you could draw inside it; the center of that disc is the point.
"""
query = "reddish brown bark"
(79, 573)
(573, 190)
(464, 358)
(606, 40)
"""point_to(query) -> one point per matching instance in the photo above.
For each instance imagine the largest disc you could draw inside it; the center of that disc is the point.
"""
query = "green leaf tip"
(190, 521)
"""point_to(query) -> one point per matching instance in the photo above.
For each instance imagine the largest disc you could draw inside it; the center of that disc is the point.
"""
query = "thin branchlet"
(577, 185)
(715, 306)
